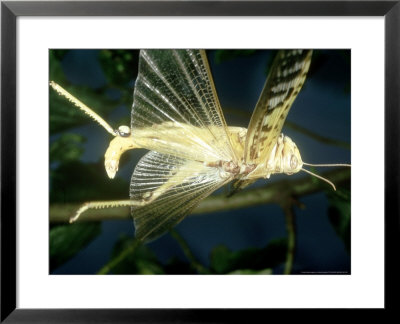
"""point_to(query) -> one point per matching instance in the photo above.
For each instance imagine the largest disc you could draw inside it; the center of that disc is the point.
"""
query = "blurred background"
(302, 233)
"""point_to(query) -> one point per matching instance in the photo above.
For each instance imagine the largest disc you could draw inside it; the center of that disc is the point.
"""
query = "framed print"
(211, 243)
(210, 105)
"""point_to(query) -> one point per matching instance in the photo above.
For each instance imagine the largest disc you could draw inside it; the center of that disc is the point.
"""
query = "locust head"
(285, 157)
(122, 142)
(290, 157)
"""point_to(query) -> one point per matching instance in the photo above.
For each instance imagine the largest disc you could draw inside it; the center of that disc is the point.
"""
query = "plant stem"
(271, 193)
(119, 258)
(291, 229)
(188, 253)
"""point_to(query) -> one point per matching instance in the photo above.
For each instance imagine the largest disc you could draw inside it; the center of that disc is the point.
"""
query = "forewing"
(175, 100)
(284, 82)
(177, 185)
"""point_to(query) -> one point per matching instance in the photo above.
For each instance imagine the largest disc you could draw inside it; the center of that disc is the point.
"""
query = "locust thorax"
(285, 157)
(122, 142)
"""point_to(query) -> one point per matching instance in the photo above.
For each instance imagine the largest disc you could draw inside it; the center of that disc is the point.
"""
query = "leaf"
(140, 260)
(64, 115)
(224, 260)
(75, 181)
(119, 66)
(177, 266)
(339, 213)
(68, 240)
(66, 148)
(55, 67)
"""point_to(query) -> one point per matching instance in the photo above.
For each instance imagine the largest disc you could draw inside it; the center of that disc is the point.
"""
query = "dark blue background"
(323, 106)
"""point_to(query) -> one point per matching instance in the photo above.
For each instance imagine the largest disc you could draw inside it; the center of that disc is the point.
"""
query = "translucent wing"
(172, 186)
(284, 82)
(176, 109)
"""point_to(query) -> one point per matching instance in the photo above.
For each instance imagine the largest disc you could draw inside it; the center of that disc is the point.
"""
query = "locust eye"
(124, 131)
(293, 162)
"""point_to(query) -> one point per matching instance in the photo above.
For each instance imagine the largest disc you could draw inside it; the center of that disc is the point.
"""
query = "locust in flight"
(177, 116)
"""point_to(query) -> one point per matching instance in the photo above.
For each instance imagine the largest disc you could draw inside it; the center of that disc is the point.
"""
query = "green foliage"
(224, 260)
(70, 179)
(56, 72)
(58, 54)
(131, 257)
(339, 213)
(66, 148)
(63, 115)
(119, 66)
(140, 260)
(68, 240)
(75, 181)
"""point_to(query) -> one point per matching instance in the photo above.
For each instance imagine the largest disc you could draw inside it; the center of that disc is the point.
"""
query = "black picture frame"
(11, 10)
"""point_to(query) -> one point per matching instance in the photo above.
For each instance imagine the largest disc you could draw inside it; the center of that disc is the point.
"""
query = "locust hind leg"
(106, 204)
(146, 199)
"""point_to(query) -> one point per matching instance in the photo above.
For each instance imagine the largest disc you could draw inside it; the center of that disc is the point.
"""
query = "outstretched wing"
(284, 82)
(176, 109)
(172, 186)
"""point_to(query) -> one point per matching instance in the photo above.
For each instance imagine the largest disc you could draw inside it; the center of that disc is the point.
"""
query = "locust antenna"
(61, 91)
(327, 165)
(319, 177)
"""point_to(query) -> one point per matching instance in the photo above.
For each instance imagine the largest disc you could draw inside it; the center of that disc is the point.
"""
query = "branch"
(119, 258)
(272, 193)
(291, 229)
(188, 253)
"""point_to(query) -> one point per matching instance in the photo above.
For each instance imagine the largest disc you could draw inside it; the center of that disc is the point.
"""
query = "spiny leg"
(61, 91)
(106, 204)
(122, 142)
(147, 197)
